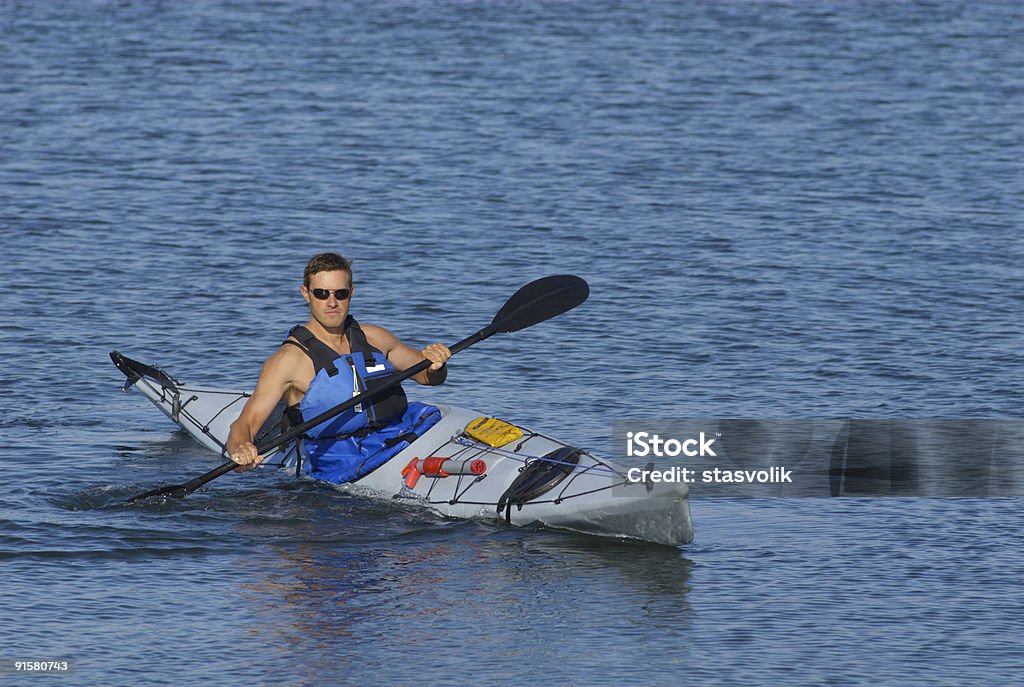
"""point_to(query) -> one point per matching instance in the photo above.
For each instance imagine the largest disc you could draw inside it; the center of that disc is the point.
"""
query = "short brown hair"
(326, 262)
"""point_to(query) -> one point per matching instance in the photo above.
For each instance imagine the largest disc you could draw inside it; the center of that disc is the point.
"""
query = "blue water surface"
(784, 210)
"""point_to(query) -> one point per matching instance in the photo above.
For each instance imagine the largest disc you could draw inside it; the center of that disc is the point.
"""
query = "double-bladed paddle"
(539, 300)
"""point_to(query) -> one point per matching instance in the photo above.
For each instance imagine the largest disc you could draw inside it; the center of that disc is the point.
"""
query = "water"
(784, 210)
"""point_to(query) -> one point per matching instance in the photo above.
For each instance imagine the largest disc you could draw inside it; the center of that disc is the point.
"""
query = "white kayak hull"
(594, 497)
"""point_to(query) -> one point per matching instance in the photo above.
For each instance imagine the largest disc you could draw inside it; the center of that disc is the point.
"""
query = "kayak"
(464, 466)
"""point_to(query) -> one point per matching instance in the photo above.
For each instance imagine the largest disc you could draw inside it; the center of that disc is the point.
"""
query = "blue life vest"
(346, 460)
(363, 438)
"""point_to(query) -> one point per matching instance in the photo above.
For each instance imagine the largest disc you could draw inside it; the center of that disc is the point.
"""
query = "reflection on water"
(328, 601)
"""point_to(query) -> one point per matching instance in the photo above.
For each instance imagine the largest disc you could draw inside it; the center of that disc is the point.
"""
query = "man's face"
(332, 311)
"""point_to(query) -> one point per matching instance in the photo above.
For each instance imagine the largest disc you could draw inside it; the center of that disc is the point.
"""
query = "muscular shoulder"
(288, 363)
(379, 337)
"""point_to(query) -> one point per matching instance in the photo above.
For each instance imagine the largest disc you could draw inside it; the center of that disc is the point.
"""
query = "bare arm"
(403, 356)
(278, 374)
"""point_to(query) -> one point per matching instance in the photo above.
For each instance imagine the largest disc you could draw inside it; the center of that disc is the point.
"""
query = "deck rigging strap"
(600, 465)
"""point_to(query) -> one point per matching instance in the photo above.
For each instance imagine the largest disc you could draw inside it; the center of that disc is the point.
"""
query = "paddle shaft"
(283, 438)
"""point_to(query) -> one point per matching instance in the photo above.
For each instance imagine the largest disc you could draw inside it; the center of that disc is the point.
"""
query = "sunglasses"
(324, 294)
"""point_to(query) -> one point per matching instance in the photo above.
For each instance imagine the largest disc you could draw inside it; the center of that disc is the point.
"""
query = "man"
(327, 361)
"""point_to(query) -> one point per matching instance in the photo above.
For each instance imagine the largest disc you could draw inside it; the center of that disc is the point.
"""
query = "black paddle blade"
(180, 491)
(175, 492)
(540, 300)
